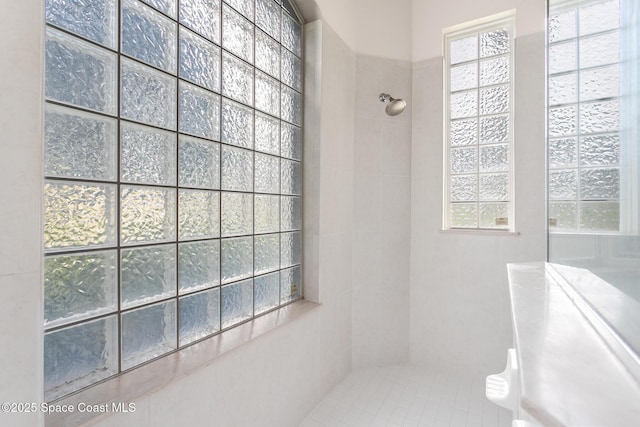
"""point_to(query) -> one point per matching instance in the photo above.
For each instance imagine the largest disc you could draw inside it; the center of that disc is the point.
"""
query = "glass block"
(79, 356)
(237, 258)
(147, 333)
(168, 7)
(79, 215)
(563, 152)
(267, 54)
(600, 216)
(291, 35)
(599, 16)
(494, 158)
(267, 213)
(80, 286)
(464, 104)
(563, 89)
(237, 34)
(291, 105)
(291, 70)
(600, 83)
(490, 212)
(291, 141)
(237, 214)
(147, 155)
(562, 57)
(198, 163)
(495, 71)
(147, 214)
(237, 124)
(237, 79)
(237, 303)
(291, 181)
(463, 215)
(148, 36)
(495, 42)
(199, 60)
(203, 17)
(494, 129)
(79, 144)
(287, 5)
(463, 188)
(463, 77)
(290, 249)
(563, 215)
(268, 17)
(268, 95)
(267, 137)
(147, 95)
(463, 50)
(267, 253)
(199, 214)
(96, 20)
(463, 132)
(600, 150)
(267, 174)
(563, 184)
(199, 315)
(290, 285)
(290, 213)
(599, 184)
(562, 26)
(494, 100)
(237, 169)
(266, 292)
(198, 265)
(147, 274)
(79, 73)
(245, 7)
(600, 116)
(601, 49)
(463, 160)
(199, 112)
(494, 187)
(563, 121)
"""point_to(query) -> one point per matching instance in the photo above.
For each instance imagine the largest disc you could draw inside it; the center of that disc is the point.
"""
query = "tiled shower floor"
(403, 395)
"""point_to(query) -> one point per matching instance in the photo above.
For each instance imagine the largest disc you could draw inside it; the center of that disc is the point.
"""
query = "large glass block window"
(584, 105)
(173, 164)
(479, 126)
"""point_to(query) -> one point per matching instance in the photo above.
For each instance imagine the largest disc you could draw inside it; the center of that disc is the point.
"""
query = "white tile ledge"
(152, 376)
(479, 232)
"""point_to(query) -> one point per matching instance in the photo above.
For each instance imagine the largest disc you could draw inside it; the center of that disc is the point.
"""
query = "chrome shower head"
(395, 106)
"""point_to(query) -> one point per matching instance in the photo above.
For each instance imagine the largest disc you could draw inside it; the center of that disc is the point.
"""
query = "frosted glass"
(267, 138)
(495, 70)
(79, 215)
(237, 303)
(266, 292)
(290, 285)
(199, 60)
(147, 95)
(147, 214)
(237, 124)
(237, 214)
(563, 89)
(290, 213)
(599, 184)
(198, 163)
(563, 121)
(199, 315)
(245, 7)
(267, 213)
(463, 50)
(463, 188)
(202, 16)
(601, 49)
(464, 104)
(494, 100)
(237, 34)
(463, 132)
(78, 356)
(291, 181)
(600, 16)
(159, 336)
(463, 77)
(268, 94)
(563, 152)
(236, 258)
(267, 253)
(565, 215)
(237, 79)
(291, 141)
(80, 286)
(267, 54)
(79, 144)
(291, 35)
(600, 150)
(267, 174)
(291, 108)
(494, 187)
(562, 57)
(291, 70)
(79, 73)
(268, 17)
(463, 160)
(147, 274)
(562, 26)
(290, 249)
(199, 112)
(600, 116)
(96, 20)
(198, 265)
(148, 36)
(600, 216)
(166, 6)
(494, 158)
(237, 169)
(495, 42)
(199, 214)
(286, 4)
(147, 155)
(463, 215)
(563, 185)
(494, 129)
(600, 83)
(490, 212)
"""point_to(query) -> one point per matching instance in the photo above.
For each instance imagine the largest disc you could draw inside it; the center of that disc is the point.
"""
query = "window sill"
(480, 231)
(152, 376)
